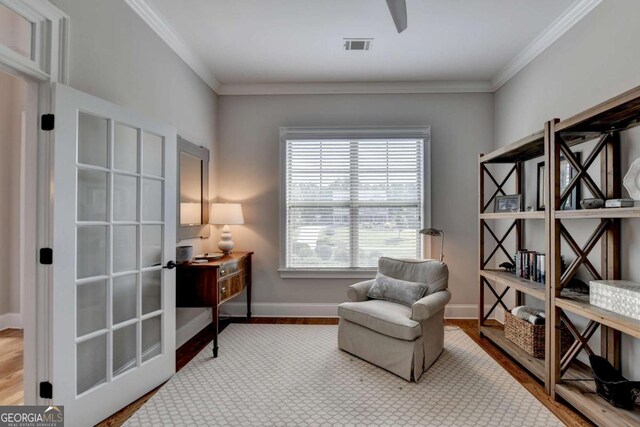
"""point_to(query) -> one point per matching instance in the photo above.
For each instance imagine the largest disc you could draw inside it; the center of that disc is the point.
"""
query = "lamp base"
(226, 243)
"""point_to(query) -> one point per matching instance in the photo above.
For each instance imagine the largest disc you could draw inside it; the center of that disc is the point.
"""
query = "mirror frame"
(203, 230)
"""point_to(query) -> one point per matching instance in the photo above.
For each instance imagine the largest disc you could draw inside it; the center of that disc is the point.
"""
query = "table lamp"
(226, 214)
(434, 232)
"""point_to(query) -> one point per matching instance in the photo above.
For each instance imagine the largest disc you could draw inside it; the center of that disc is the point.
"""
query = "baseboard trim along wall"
(10, 321)
(239, 309)
(192, 327)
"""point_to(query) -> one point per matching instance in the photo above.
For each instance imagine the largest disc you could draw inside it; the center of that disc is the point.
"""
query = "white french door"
(114, 228)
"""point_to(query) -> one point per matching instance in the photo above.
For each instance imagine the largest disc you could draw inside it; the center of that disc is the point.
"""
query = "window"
(351, 197)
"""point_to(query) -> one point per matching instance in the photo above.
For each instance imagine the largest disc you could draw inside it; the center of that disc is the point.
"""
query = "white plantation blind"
(348, 202)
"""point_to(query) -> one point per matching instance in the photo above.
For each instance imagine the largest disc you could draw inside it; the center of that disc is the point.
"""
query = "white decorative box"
(619, 296)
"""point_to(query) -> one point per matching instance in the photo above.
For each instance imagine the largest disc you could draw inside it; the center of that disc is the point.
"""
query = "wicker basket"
(530, 337)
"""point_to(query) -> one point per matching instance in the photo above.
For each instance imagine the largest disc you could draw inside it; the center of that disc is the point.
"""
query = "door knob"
(170, 265)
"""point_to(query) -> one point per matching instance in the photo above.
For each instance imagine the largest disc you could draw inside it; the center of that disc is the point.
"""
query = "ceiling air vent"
(357, 44)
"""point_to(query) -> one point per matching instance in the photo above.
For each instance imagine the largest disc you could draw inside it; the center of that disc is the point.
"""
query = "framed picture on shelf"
(566, 175)
(510, 203)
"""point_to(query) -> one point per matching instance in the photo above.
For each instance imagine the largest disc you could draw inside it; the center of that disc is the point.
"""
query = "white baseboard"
(465, 311)
(266, 309)
(10, 321)
(273, 309)
(192, 327)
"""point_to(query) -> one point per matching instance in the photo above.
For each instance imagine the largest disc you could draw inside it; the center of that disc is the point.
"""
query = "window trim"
(371, 132)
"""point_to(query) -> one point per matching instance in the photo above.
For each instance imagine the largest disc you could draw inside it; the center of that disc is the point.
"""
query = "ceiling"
(258, 42)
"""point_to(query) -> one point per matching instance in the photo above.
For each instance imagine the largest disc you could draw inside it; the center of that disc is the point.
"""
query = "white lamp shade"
(226, 214)
(190, 213)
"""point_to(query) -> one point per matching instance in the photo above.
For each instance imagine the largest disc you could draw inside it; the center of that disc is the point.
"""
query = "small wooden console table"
(214, 283)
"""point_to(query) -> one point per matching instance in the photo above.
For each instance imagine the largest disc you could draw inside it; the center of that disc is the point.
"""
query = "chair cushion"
(396, 290)
(434, 273)
(387, 318)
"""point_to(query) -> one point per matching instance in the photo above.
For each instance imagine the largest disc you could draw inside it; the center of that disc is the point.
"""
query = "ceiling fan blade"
(398, 9)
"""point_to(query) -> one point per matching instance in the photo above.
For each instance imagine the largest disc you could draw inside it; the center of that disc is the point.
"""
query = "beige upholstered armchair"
(401, 339)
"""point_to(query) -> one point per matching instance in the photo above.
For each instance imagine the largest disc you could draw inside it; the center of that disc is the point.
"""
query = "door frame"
(49, 64)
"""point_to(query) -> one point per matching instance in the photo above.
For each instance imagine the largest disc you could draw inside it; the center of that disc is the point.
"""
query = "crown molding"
(578, 10)
(355, 88)
(175, 42)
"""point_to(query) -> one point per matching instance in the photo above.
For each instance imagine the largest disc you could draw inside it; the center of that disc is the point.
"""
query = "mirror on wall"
(193, 190)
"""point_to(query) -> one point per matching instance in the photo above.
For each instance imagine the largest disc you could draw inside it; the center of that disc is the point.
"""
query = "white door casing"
(114, 227)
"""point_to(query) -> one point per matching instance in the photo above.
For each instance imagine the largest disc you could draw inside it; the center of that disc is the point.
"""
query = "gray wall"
(597, 59)
(12, 103)
(114, 55)
(461, 127)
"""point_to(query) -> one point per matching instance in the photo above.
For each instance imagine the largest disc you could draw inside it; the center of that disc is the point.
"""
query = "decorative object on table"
(508, 266)
(619, 296)
(530, 337)
(530, 265)
(567, 172)
(226, 214)
(184, 254)
(577, 286)
(631, 180)
(612, 386)
(434, 232)
(619, 203)
(592, 203)
(509, 203)
(210, 256)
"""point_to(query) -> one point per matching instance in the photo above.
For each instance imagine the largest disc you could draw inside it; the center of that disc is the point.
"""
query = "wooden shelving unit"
(515, 155)
(564, 375)
(602, 123)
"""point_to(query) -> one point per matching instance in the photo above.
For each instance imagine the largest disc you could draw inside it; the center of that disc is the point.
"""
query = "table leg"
(249, 300)
(214, 314)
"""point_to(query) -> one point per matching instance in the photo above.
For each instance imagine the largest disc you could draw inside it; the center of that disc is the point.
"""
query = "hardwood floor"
(11, 350)
(189, 350)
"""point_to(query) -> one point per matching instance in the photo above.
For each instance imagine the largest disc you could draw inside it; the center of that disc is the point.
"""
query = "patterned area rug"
(295, 375)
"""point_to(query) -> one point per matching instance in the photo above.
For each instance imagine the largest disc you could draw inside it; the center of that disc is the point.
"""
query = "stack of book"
(530, 265)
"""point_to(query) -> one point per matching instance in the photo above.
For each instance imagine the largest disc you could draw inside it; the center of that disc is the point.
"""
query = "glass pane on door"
(125, 148)
(91, 363)
(125, 298)
(151, 338)
(91, 302)
(124, 349)
(93, 140)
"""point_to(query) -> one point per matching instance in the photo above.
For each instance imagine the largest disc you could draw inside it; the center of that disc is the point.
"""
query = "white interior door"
(113, 303)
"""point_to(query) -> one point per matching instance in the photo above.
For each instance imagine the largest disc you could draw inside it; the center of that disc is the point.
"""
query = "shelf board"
(505, 278)
(579, 304)
(620, 112)
(524, 149)
(633, 212)
(582, 396)
(495, 333)
(513, 215)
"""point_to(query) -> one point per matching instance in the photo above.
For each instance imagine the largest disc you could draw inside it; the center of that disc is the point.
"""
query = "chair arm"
(358, 291)
(430, 305)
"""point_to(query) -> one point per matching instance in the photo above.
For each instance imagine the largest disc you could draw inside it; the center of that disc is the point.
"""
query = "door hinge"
(46, 390)
(48, 122)
(46, 256)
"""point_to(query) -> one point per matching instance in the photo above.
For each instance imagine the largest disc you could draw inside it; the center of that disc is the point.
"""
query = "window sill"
(297, 273)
